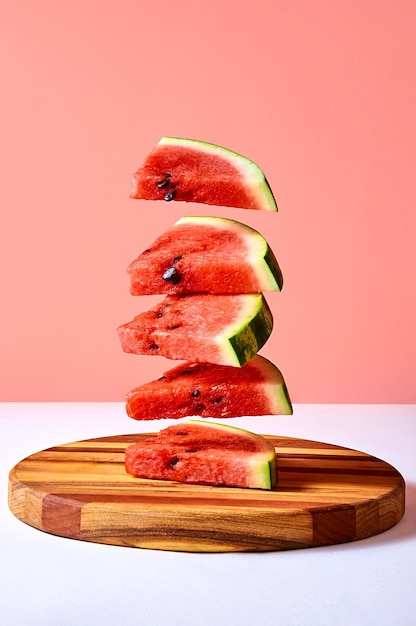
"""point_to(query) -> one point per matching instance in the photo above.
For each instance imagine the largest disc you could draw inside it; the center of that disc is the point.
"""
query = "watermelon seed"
(169, 195)
(159, 314)
(173, 461)
(176, 259)
(153, 346)
(172, 275)
(200, 407)
(186, 372)
(182, 433)
(175, 326)
(165, 181)
(218, 400)
(196, 393)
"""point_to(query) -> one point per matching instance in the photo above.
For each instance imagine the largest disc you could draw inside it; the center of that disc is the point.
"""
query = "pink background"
(320, 93)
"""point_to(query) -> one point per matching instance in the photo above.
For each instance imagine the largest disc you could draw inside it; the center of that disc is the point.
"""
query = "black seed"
(174, 326)
(181, 432)
(159, 314)
(191, 451)
(176, 259)
(185, 372)
(195, 393)
(172, 275)
(165, 181)
(200, 407)
(218, 400)
(173, 461)
(153, 346)
(170, 195)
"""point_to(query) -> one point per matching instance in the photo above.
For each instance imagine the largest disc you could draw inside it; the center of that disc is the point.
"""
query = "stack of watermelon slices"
(211, 272)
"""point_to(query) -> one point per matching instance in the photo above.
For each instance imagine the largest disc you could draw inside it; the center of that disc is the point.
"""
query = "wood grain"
(325, 495)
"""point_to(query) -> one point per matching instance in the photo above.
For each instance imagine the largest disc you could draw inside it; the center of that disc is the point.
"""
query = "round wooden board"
(325, 495)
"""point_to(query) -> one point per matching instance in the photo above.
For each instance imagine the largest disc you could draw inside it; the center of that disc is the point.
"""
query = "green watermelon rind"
(251, 172)
(275, 388)
(260, 255)
(263, 465)
(242, 339)
(273, 271)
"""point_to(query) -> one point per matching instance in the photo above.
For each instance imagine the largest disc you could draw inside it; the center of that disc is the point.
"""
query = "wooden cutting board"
(325, 495)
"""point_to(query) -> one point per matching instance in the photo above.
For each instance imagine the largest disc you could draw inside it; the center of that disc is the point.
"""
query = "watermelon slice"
(216, 391)
(212, 328)
(195, 171)
(205, 453)
(206, 254)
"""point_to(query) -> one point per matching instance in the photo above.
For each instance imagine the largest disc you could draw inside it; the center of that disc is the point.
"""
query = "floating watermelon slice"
(206, 254)
(215, 391)
(205, 453)
(212, 328)
(195, 171)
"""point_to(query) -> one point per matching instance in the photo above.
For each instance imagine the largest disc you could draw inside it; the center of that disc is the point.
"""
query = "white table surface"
(48, 580)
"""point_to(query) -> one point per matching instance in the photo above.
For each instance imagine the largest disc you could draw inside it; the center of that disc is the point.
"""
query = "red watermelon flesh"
(222, 329)
(195, 171)
(215, 391)
(205, 453)
(206, 254)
